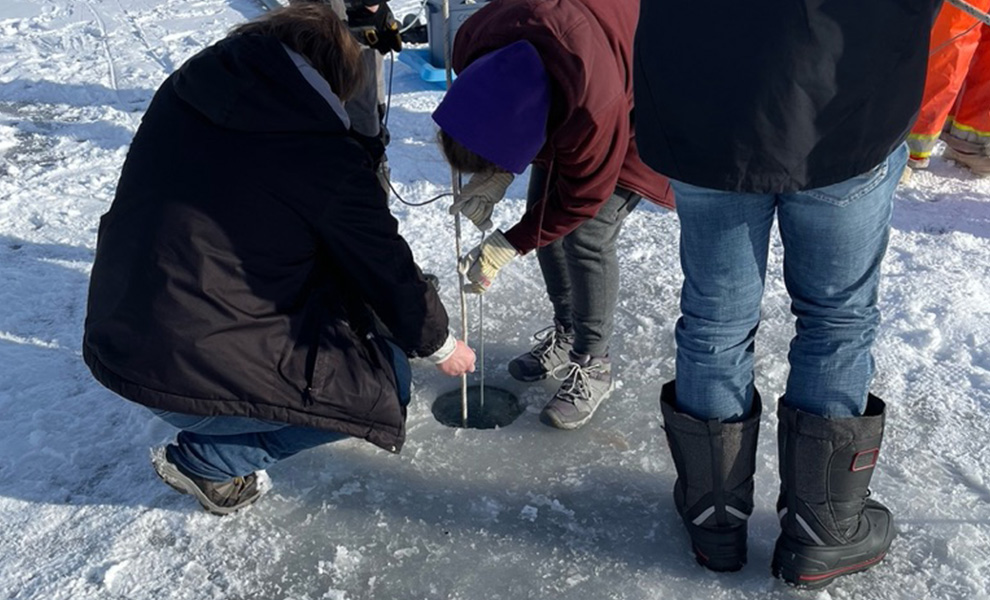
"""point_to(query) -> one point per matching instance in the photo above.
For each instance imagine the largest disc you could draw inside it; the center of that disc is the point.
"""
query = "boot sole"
(718, 564)
(813, 567)
(814, 581)
(176, 480)
(720, 551)
(960, 159)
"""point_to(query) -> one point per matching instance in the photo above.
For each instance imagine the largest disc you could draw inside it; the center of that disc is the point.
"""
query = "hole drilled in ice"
(500, 408)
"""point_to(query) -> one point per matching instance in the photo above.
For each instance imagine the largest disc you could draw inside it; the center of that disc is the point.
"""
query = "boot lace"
(549, 338)
(229, 493)
(576, 381)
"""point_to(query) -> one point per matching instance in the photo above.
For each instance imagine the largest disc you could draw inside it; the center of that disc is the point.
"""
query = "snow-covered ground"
(521, 512)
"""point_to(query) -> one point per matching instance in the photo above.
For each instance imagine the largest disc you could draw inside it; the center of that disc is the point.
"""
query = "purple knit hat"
(498, 106)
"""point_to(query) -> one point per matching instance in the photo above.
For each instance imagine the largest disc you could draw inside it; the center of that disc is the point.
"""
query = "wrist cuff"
(499, 249)
(503, 179)
(445, 351)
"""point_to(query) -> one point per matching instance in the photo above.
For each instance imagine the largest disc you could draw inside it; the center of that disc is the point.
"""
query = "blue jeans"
(219, 448)
(834, 240)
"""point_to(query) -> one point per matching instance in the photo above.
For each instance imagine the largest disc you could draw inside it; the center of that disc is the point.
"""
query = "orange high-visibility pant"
(957, 90)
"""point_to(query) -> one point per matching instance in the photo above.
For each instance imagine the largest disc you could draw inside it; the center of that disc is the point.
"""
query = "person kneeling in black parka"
(247, 252)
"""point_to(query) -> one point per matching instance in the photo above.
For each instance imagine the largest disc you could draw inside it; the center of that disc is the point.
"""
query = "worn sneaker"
(587, 381)
(553, 345)
(217, 497)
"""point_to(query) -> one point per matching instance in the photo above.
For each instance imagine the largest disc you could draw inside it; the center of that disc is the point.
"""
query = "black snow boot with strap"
(829, 526)
(713, 493)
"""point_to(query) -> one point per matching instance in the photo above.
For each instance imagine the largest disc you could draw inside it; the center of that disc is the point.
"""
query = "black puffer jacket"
(248, 236)
(777, 96)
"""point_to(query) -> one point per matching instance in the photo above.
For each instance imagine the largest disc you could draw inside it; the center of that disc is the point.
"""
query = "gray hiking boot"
(553, 345)
(587, 381)
(217, 497)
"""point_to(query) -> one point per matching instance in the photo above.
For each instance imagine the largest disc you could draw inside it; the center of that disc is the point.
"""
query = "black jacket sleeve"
(363, 237)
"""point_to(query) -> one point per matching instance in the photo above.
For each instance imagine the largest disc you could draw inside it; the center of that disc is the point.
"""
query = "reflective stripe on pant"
(958, 81)
(970, 116)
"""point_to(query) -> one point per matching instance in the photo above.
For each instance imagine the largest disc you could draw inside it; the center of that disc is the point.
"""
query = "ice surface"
(519, 512)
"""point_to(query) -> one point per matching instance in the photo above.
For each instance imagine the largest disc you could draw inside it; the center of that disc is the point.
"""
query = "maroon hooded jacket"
(586, 48)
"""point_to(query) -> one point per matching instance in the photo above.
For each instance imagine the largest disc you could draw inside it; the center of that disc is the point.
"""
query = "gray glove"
(480, 195)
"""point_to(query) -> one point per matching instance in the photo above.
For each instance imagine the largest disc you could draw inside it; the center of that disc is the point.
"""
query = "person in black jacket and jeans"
(247, 257)
(794, 110)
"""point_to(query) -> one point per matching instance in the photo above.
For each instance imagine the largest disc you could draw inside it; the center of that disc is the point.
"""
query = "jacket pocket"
(346, 375)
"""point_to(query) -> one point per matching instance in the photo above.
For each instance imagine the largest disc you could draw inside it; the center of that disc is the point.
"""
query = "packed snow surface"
(519, 512)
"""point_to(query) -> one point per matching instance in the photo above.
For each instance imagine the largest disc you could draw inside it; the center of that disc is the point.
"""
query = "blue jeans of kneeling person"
(834, 240)
(219, 448)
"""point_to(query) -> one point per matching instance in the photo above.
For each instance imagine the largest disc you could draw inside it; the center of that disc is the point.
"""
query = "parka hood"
(250, 83)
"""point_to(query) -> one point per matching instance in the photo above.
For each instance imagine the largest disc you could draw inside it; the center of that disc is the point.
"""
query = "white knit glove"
(482, 264)
(479, 196)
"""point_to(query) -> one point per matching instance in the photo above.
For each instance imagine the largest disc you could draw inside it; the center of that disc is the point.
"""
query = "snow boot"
(829, 526)
(217, 497)
(977, 162)
(552, 349)
(586, 383)
(713, 493)
(971, 154)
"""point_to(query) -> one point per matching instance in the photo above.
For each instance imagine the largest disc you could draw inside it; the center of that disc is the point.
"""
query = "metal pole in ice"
(455, 184)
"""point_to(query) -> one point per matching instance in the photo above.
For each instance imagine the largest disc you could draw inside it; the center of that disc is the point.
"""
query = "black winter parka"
(773, 96)
(247, 240)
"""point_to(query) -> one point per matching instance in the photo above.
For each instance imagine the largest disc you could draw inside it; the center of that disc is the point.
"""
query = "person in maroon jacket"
(549, 83)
